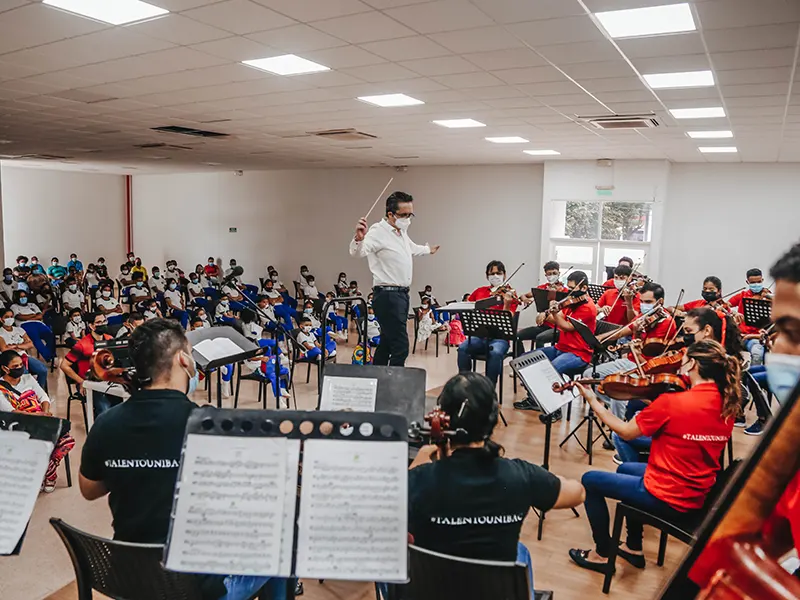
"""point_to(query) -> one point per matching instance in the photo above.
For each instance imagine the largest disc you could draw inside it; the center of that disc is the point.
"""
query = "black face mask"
(576, 293)
(16, 373)
(101, 329)
(710, 296)
(689, 339)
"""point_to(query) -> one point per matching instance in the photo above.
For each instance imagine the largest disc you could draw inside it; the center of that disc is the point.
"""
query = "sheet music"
(354, 511)
(456, 306)
(349, 393)
(23, 463)
(539, 377)
(289, 507)
(213, 349)
(230, 509)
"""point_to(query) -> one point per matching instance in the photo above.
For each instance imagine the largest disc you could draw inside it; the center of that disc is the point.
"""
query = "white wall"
(722, 219)
(288, 218)
(55, 213)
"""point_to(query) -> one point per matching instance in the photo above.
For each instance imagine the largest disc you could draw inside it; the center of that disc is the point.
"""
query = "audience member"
(75, 328)
(7, 287)
(211, 270)
(156, 283)
(125, 276)
(13, 337)
(56, 272)
(195, 288)
(72, 297)
(23, 309)
(36, 267)
(139, 292)
(138, 268)
(224, 308)
(132, 321)
(151, 310)
(106, 303)
(74, 262)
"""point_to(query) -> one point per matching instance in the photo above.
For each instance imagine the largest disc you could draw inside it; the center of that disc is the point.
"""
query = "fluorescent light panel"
(115, 12)
(709, 135)
(391, 100)
(689, 79)
(654, 20)
(286, 64)
(698, 113)
(717, 149)
(542, 152)
(459, 123)
(512, 139)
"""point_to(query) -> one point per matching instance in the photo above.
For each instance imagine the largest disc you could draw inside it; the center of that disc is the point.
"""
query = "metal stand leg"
(591, 419)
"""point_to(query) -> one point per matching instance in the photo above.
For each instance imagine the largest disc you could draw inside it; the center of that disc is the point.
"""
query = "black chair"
(262, 382)
(76, 395)
(483, 356)
(434, 576)
(297, 351)
(436, 333)
(685, 531)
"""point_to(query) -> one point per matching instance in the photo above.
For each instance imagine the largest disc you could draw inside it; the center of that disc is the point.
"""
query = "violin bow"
(627, 282)
(510, 276)
(379, 197)
(677, 330)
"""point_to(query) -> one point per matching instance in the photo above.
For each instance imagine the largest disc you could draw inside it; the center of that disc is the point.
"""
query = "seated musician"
(571, 354)
(690, 431)
(625, 260)
(542, 333)
(620, 305)
(470, 501)
(751, 335)
(663, 327)
(711, 297)
(495, 350)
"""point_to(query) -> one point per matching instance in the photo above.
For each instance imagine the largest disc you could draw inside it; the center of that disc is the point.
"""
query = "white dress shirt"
(389, 253)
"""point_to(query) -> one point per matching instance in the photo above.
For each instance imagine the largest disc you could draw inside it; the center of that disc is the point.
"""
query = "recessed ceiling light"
(542, 152)
(286, 64)
(709, 135)
(512, 139)
(690, 79)
(654, 20)
(698, 113)
(459, 123)
(391, 100)
(116, 12)
(717, 149)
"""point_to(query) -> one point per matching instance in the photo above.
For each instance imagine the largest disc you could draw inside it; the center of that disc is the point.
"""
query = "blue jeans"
(630, 451)
(39, 370)
(565, 363)
(244, 587)
(102, 402)
(756, 350)
(627, 484)
(495, 351)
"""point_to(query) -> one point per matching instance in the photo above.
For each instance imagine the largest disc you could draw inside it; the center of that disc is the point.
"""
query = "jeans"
(756, 350)
(39, 370)
(244, 587)
(391, 310)
(565, 363)
(609, 368)
(627, 484)
(495, 351)
(755, 379)
(539, 334)
(102, 402)
(630, 451)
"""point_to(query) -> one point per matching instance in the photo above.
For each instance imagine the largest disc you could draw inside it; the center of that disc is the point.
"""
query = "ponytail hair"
(724, 370)
(469, 399)
(726, 332)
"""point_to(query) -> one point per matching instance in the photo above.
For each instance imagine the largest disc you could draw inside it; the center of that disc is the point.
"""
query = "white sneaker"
(226, 389)
(342, 337)
(49, 488)
(284, 403)
(331, 354)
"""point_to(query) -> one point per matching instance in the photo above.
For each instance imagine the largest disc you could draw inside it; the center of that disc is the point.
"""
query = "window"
(626, 221)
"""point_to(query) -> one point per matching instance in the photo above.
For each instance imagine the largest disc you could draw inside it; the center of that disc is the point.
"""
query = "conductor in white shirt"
(389, 252)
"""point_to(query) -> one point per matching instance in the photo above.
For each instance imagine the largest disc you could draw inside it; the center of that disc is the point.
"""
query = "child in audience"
(74, 262)
(24, 310)
(76, 328)
(176, 305)
(156, 282)
(229, 271)
(42, 294)
(92, 277)
(106, 303)
(252, 330)
(202, 316)
(341, 286)
(7, 286)
(195, 288)
(427, 326)
(173, 271)
(72, 297)
(36, 267)
(132, 321)
(308, 311)
(139, 292)
(125, 277)
(13, 337)
(373, 327)
(233, 293)
(266, 314)
(56, 272)
(211, 270)
(102, 269)
(224, 308)
(131, 258)
(138, 268)
(152, 311)
(196, 323)
(308, 341)
(310, 288)
(303, 276)
(333, 316)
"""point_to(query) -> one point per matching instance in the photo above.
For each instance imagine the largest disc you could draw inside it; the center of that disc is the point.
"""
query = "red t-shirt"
(736, 301)
(689, 436)
(482, 293)
(211, 270)
(609, 284)
(81, 352)
(571, 341)
(618, 316)
(664, 329)
(559, 288)
(695, 304)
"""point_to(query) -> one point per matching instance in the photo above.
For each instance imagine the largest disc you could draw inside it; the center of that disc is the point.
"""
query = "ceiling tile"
(178, 29)
(565, 54)
(598, 70)
(531, 75)
(744, 76)
(441, 15)
(408, 48)
(664, 45)
(752, 38)
(239, 16)
(513, 11)
(484, 39)
(379, 73)
(753, 59)
(344, 57)
(235, 48)
(615, 84)
(745, 13)
(297, 38)
(364, 27)
(554, 88)
(37, 24)
(381, 4)
(760, 89)
(672, 64)
(468, 80)
(443, 65)
(180, 5)
(756, 101)
(315, 10)
(558, 31)
(506, 59)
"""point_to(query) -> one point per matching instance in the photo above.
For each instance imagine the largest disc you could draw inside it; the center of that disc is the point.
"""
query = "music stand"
(757, 312)
(595, 291)
(249, 350)
(542, 298)
(599, 351)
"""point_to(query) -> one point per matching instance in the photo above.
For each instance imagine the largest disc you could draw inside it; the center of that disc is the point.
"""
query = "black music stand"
(599, 351)
(235, 423)
(595, 291)
(757, 312)
(542, 298)
(249, 350)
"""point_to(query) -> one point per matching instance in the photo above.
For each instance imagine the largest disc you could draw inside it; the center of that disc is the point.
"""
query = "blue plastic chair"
(211, 293)
(201, 303)
(116, 319)
(43, 339)
(251, 289)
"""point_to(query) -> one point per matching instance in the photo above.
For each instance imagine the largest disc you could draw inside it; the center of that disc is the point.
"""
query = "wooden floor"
(43, 570)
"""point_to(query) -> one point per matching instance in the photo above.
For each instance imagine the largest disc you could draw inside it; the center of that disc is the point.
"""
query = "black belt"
(391, 288)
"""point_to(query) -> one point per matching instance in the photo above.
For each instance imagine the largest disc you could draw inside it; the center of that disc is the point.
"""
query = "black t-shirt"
(135, 450)
(472, 506)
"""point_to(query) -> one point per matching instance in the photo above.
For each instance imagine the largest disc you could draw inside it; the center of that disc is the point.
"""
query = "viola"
(666, 363)
(434, 430)
(622, 386)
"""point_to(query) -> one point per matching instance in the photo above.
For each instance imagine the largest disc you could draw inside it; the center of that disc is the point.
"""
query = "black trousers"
(542, 335)
(391, 310)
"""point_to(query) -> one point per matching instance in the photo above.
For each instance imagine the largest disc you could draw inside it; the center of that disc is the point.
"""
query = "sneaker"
(298, 588)
(608, 445)
(284, 393)
(284, 402)
(527, 404)
(740, 421)
(617, 460)
(551, 418)
(49, 487)
(756, 428)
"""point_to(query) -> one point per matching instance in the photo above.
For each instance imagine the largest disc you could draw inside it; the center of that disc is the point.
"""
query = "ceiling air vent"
(189, 131)
(344, 135)
(44, 157)
(644, 121)
(162, 145)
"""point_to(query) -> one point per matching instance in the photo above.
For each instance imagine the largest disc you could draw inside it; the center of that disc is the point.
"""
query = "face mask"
(171, 268)
(73, 258)
(54, 263)
(8, 278)
(647, 308)
(156, 274)
(23, 301)
(194, 280)
(139, 284)
(172, 286)
(101, 329)
(304, 272)
(34, 262)
(371, 317)
(308, 311)
(425, 307)
(783, 373)
(274, 278)
(22, 263)
(16, 373)
(106, 294)
(76, 319)
(710, 296)
(225, 303)
(552, 278)
(619, 283)
(204, 317)
(8, 322)
(306, 329)
(101, 264)
(689, 339)
(343, 278)
(575, 292)
(495, 280)
(211, 263)
(756, 288)
(193, 379)
(125, 271)
(403, 224)
(73, 288)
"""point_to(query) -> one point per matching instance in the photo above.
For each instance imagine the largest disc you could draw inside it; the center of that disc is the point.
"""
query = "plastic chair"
(211, 293)
(263, 381)
(436, 334)
(297, 350)
(75, 395)
(116, 320)
(123, 570)
(43, 340)
(201, 303)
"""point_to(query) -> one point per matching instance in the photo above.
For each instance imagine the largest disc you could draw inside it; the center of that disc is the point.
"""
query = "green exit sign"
(605, 193)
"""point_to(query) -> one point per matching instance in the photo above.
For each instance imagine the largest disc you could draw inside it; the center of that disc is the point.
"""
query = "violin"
(668, 362)
(434, 430)
(622, 386)
(102, 365)
(647, 321)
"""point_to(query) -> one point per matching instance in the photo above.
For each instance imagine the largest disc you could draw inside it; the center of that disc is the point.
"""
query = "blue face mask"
(647, 308)
(194, 380)
(783, 373)
(139, 284)
(756, 288)
(23, 301)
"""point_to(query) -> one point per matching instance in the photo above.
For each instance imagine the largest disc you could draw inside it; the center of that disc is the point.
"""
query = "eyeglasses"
(405, 216)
